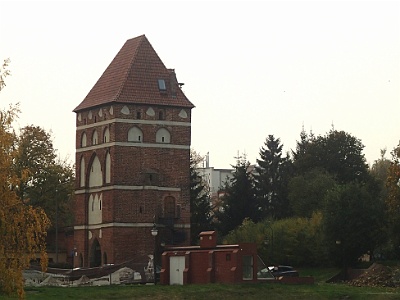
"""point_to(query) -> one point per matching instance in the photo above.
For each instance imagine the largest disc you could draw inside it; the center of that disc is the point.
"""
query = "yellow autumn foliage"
(23, 228)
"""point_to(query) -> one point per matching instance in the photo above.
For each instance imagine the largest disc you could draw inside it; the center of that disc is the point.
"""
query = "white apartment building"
(214, 178)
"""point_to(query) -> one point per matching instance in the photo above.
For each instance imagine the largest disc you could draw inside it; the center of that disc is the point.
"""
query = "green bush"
(293, 241)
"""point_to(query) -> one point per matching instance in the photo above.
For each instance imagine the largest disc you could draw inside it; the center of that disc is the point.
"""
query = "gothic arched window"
(163, 136)
(135, 135)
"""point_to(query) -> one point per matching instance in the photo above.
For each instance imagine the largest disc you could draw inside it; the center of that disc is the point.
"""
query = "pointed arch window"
(83, 140)
(135, 135)
(108, 167)
(163, 136)
(94, 209)
(91, 203)
(96, 174)
(95, 254)
(106, 137)
(82, 172)
(95, 138)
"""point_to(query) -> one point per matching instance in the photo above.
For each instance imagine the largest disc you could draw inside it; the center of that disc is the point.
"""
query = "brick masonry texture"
(142, 175)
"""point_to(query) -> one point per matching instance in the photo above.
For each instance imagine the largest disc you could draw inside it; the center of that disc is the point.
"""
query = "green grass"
(216, 291)
(319, 290)
(320, 275)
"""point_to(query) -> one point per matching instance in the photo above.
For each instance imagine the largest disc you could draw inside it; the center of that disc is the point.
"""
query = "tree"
(302, 146)
(380, 167)
(344, 158)
(271, 177)
(23, 228)
(297, 241)
(200, 202)
(352, 221)
(44, 180)
(239, 201)
(380, 171)
(35, 155)
(339, 153)
(393, 201)
(251, 232)
(303, 156)
(4, 72)
(307, 192)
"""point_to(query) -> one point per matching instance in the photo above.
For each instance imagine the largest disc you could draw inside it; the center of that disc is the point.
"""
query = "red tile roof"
(132, 77)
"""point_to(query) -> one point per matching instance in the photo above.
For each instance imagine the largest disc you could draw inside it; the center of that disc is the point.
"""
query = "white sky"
(251, 68)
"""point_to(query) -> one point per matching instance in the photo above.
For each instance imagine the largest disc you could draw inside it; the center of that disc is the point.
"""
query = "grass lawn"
(319, 290)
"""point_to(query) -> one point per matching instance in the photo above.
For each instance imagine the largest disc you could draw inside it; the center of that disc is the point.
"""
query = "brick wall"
(221, 264)
(145, 176)
(199, 265)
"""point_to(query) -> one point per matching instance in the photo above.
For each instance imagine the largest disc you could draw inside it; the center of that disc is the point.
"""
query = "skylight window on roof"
(161, 85)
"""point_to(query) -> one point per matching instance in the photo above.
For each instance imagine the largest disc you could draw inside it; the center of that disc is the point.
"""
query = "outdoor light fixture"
(154, 230)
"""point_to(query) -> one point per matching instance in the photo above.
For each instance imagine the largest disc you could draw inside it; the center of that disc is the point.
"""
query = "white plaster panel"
(150, 112)
(125, 110)
(183, 114)
(135, 135)
(108, 168)
(96, 174)
(163, 136)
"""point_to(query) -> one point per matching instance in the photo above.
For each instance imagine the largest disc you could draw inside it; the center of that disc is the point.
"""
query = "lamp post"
(154, 232)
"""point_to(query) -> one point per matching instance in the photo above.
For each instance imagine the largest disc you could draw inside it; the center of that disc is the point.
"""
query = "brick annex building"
(133, 134)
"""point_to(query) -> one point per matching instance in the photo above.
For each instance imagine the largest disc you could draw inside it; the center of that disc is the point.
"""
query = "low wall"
(296, 280)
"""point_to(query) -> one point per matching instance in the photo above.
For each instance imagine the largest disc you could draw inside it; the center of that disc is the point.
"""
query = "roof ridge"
(131, 77)
(134, 56)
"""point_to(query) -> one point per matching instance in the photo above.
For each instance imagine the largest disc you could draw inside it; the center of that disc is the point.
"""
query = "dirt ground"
(378, 275)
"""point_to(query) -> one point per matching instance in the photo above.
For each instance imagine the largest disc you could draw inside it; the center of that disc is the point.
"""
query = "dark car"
(283, 271)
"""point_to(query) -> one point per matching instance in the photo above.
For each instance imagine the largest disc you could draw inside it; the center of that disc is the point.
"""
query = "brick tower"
(132, 160)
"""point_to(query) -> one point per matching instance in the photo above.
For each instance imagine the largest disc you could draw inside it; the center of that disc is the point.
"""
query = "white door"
(176, 267)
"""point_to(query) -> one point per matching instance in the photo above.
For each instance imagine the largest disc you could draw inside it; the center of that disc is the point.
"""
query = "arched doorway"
(95, 254)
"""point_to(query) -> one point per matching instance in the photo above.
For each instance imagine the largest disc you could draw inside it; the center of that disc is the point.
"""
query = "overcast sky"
(250, 68)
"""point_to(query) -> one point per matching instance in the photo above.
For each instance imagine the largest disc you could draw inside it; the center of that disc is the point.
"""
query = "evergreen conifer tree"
(271, 178)
(239, 201)
(200, 202)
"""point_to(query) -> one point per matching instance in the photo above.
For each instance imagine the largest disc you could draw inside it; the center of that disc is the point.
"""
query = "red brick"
(147, 174)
